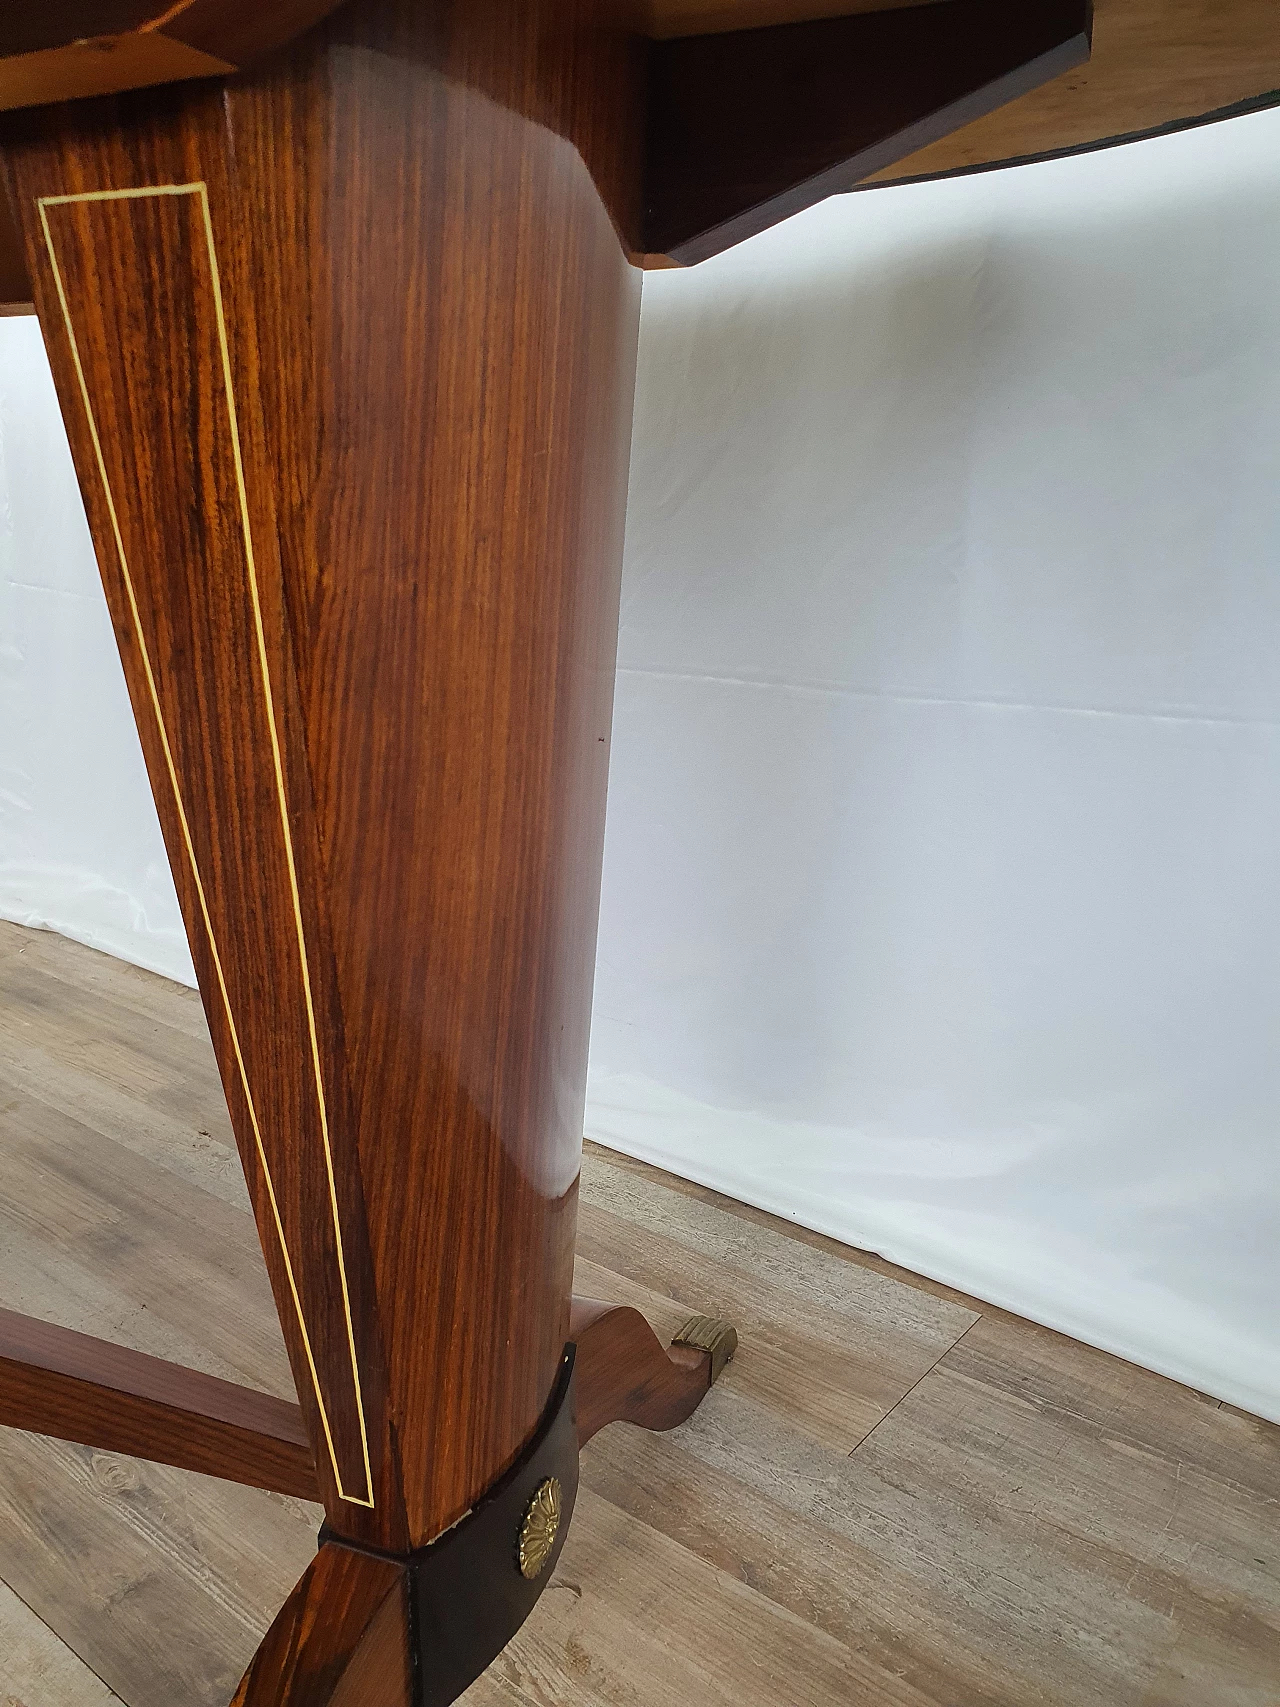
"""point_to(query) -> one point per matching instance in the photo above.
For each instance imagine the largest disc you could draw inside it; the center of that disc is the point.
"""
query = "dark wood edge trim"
(747, 128)
(87, 71)
(58, 1382)
(841, 177)
(473, 1586)
(16, 295)
(1172, 127)
(219, 36)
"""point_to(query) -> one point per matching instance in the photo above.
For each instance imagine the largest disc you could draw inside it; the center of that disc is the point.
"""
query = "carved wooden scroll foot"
(626, 1374)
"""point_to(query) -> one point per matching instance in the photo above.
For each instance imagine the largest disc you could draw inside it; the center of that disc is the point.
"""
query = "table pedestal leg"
(346, 348)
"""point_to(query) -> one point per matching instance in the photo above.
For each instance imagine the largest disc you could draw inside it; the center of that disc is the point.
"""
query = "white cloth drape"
(942, 884)
(80, 845)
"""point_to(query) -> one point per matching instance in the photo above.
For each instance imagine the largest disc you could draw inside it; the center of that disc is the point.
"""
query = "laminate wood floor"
(896, 1495)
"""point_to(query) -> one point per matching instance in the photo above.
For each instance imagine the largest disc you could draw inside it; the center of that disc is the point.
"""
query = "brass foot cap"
(708, 1333)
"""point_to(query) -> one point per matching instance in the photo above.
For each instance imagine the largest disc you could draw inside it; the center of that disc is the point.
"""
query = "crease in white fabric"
(838, 690)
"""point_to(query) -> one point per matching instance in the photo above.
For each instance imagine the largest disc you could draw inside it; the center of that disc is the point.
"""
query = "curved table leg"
(626, 1374)
(341, 1638)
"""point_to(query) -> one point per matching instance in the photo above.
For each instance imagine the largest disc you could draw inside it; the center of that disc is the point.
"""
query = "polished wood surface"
(365, 590)
(81, 1388)
(746, 129)
(626, 1374)
(15, 283)
(340, 1640)
(1155, 63)
(372, 1629)
(366, 598)
(892, 1495)
(70, 49)
(142, 273)
(665, 19)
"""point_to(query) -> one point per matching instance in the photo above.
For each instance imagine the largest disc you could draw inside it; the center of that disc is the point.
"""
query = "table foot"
(626, 1374)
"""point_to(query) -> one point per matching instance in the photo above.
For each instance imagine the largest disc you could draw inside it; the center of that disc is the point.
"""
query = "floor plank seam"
(58, 1637)
(911, 1389)
(1046, 1526)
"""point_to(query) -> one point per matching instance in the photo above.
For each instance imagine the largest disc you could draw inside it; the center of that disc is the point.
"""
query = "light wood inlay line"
(43, 203)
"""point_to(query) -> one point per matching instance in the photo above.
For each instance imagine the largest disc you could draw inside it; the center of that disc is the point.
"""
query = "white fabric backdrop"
(80, 845)
(942, 885)
(942, 898)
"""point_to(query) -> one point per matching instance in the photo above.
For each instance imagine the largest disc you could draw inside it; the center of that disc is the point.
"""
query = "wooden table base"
(366, 1624)
(346, 346)
(419, 1629)
(346, 349)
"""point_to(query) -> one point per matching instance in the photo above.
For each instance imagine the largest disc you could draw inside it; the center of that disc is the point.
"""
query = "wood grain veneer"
(75, 1387)
(340, 1640)
(365, 591)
